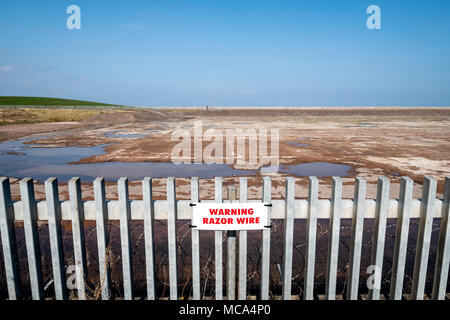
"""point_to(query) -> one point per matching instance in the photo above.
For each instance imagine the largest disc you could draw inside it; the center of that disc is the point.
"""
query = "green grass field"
(49, 102)
(21, 110)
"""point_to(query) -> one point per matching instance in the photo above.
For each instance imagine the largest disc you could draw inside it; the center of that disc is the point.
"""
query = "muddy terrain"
(373, 142)
(369, 142)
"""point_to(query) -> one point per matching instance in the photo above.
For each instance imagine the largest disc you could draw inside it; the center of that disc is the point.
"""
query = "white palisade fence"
(52, 210)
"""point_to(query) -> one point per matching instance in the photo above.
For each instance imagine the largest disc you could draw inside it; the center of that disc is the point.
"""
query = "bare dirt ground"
(375, 142)
(389, 142)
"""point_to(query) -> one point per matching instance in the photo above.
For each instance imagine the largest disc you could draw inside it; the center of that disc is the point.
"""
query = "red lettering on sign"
(250, 220)
(232, 212)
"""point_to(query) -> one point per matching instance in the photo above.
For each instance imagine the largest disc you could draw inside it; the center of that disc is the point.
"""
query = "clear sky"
(267, 53)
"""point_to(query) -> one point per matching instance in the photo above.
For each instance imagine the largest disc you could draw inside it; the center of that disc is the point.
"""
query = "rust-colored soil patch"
(375, 141)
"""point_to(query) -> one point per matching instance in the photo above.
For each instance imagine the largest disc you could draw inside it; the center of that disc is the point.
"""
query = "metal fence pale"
(29, 211)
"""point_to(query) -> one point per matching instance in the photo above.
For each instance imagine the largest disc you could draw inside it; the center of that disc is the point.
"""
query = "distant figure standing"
(207, 108)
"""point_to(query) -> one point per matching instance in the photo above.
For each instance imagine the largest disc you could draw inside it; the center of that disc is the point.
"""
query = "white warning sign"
(230, 216)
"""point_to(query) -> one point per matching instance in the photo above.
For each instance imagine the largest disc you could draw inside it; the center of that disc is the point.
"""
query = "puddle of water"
(362, 125)
(115, 134)
(112, 171)
(20, 160)
(26, 160)
(297, 144)
(318, 169)
(30, 160)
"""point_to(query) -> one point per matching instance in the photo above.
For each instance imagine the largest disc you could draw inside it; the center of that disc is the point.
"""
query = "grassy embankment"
(49, 102)
(16, 110)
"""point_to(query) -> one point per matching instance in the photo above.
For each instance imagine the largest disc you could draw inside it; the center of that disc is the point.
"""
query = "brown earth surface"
(374, 141)
(389, 142)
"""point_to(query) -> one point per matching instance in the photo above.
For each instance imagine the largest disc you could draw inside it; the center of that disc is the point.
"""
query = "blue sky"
(267, 53)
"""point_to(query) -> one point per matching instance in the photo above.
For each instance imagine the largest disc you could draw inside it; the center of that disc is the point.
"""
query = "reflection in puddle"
(318, 169)
(362, 125)
(117, 134)
(297, 144)
(20, 159)
(112, 171)
(366, 125)
(27, 160)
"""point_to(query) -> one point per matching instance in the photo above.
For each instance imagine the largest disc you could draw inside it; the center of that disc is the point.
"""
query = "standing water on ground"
(20, 158)
(318, 169)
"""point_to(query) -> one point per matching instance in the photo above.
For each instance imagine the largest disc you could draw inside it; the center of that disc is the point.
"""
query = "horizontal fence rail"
(52, 210)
